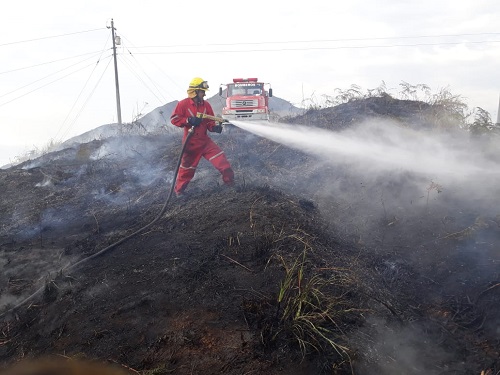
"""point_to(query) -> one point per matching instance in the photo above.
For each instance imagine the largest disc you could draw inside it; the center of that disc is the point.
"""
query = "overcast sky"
(57, 75)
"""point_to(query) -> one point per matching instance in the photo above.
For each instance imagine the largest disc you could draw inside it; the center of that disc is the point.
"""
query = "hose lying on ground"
(113, 245)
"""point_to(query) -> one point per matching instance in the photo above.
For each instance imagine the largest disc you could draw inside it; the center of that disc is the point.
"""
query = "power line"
(157, 67)
(47, 76)
(50, 62)
(314, 48)
(139, 78)
(83, 88)
(35, 89)
(87, 100)
(162, 100)
(49, 37)
(79, 95)
(321, 40)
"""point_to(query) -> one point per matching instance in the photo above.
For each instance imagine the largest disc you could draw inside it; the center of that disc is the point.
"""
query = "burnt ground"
(301, 268)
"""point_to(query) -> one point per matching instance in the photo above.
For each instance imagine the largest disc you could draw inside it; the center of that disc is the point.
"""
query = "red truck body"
(246, 99)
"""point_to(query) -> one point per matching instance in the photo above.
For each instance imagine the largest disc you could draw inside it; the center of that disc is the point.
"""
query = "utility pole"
(116, 40)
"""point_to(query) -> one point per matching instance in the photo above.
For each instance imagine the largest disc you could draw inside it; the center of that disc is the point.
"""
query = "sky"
(57, 77)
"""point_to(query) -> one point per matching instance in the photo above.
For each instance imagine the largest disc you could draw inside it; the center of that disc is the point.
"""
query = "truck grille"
(244, 103)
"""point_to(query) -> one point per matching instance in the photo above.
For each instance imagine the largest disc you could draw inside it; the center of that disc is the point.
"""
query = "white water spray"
(378, 145)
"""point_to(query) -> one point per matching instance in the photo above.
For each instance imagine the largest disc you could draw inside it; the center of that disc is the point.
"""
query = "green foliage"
(160, 370)
(308, 311)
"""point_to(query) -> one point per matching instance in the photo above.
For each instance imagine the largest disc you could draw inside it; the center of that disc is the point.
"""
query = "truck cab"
(246, 99)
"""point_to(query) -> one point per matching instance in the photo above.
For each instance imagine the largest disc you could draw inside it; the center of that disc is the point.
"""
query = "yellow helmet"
(198, 84)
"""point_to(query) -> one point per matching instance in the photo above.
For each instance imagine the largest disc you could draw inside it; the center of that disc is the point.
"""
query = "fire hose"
(113, 245)
(220, 120)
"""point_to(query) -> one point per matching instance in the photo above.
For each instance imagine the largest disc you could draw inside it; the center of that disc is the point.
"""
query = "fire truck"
(246, 99)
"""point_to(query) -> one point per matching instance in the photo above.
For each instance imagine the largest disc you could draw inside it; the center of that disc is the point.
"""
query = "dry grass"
(308, 308)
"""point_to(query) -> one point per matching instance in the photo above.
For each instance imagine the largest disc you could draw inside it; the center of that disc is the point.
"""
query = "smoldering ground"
(403, 193)
(63, 195)
(398, 196)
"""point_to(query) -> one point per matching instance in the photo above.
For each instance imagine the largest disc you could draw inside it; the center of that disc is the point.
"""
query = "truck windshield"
(245, 89)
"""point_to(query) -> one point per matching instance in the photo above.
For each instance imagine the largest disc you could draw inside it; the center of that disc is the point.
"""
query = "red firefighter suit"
(199, 144)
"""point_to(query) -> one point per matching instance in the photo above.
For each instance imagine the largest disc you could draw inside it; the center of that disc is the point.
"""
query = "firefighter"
(199, 144)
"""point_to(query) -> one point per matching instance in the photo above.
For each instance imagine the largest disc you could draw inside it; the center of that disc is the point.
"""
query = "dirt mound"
(302, 268)
(411, 113)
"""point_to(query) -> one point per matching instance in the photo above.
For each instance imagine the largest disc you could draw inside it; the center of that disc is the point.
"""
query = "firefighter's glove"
(217, 128)
(194, 121)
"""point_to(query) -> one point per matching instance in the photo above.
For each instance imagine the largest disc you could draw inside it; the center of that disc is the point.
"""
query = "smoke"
(408, 350)
(27, 269)
(384, 145)
(383, 148)
(426, 199)
(131, 165)
(123, 148)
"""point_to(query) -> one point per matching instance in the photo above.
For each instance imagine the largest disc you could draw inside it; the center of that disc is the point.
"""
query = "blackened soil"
(276, 275)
